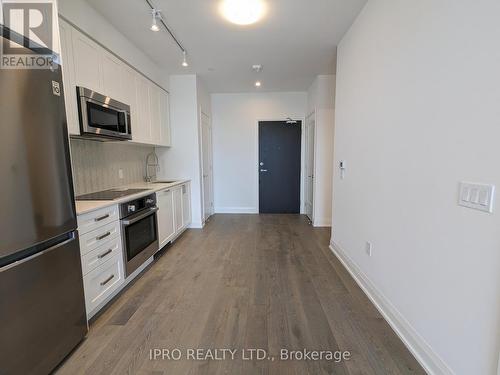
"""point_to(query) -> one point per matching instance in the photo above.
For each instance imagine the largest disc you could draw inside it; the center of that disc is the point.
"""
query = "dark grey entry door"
(279, 166)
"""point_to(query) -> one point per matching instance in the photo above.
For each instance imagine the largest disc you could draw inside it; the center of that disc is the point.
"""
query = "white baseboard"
(236, 210)
(196, 225)
(323, 222)
(415, 343)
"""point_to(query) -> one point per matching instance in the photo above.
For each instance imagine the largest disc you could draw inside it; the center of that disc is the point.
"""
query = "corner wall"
(321, 105)
(417, 111)
(183, 159)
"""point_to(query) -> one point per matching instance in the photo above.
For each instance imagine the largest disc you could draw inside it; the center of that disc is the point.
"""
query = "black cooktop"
(109, 195)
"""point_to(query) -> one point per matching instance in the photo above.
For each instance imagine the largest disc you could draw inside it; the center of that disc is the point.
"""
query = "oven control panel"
(137, 205)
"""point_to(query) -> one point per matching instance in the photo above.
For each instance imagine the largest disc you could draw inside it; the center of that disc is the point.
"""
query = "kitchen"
(100, 212)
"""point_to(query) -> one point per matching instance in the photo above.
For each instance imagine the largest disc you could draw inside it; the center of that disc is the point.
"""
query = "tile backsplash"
(96, 164)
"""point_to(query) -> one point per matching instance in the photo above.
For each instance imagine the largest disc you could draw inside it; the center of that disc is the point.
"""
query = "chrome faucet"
(154, 164)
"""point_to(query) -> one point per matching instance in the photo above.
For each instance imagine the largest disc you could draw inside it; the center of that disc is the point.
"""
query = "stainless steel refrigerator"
(42, 307)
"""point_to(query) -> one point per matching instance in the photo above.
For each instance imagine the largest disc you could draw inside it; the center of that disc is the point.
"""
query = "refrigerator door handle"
(36, 255)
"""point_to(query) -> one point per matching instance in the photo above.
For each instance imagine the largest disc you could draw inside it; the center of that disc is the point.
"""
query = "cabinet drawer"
(95, 219)
(96, 238)
(100, 283)
(102, 254)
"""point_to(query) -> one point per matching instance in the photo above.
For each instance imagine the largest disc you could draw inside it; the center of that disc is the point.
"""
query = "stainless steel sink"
(163, 182)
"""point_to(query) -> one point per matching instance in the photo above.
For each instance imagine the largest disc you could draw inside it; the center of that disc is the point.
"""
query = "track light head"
(184, 60)
(156, 16)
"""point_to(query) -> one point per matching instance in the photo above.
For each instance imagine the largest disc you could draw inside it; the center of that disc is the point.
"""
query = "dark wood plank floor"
(244, 281)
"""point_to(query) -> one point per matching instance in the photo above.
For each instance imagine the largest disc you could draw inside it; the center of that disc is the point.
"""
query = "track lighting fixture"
(159, 21)
(156, 16)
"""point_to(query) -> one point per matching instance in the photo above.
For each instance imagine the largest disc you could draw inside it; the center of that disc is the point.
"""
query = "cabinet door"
(87, 61)
(112, 77)
(68, 74)
(186, 205)
(178, 208)
(100, 283)
(164, 119)
(154, 111)
(166, 227)
(142, 128)
(129, 90)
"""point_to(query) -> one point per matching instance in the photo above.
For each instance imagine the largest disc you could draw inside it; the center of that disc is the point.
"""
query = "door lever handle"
(263, 170)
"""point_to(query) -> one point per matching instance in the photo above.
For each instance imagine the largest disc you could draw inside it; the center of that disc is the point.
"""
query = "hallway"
(244, 281)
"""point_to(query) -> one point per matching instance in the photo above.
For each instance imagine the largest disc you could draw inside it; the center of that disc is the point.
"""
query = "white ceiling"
(295, 41)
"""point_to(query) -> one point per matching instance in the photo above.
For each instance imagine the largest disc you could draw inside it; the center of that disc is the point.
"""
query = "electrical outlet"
(368, 249)
(120, 174)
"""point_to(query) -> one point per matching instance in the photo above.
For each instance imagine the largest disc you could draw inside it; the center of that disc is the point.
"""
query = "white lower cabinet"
(178, 208)
(101, 246)
(102, 256)
(91, 240)
(97, 219)
(166, 227)
(100, 283)
(186, 205)
(174, 213)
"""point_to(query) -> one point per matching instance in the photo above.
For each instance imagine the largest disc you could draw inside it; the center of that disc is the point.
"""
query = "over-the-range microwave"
(101, 117)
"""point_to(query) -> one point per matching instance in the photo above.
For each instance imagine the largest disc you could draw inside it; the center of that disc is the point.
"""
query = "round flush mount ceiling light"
(243, 12)
(258, 84)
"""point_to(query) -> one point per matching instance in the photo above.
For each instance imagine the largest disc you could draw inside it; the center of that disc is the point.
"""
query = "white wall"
(86, 18)
(235, 143)
(417, 111)
(320, 104)
(183, 159)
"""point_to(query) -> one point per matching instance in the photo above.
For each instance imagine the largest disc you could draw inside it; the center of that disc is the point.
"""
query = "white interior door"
(207, 173)
(309, 166)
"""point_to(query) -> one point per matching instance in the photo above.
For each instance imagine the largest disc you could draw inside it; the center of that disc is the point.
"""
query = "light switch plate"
(477, 196)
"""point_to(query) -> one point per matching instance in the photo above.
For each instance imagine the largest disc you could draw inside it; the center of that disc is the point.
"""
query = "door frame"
(211, 172)
(311, 114)
(302, 160)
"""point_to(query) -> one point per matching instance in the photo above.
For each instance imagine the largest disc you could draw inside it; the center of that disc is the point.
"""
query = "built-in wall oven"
(139, 231)
(102, 117)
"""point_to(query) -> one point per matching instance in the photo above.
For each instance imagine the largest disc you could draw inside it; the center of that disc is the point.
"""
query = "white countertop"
(83, 207)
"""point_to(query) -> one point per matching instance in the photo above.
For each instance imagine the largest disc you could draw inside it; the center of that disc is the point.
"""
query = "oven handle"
(149, 212)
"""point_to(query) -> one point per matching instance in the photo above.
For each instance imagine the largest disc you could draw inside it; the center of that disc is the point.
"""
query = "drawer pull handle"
(101, 218)
(100, 256)
(103, 236)
(107, 280)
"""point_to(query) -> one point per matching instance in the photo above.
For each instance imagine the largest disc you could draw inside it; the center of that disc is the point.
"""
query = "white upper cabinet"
(88, 64)
(68, 73)
(151, 125)
(129, 94)
(154, 110)
(141, 130)
(113, 75)
(164, 119)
